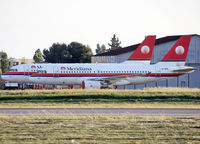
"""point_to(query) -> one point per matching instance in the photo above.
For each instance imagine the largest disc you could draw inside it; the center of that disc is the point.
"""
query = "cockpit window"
(12, 70)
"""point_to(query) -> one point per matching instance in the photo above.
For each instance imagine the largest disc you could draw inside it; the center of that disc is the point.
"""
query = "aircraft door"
(158, 71)
(26, 70)
(25, 78)
(98, 72)
(55, 71)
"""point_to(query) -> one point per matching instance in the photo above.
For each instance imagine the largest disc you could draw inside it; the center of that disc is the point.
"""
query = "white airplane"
(106, 75)
(21, 73)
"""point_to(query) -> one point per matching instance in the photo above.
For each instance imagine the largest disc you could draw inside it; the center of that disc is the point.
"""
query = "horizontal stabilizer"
(186, 70)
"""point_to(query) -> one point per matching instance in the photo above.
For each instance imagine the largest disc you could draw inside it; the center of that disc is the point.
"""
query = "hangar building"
(162, 46)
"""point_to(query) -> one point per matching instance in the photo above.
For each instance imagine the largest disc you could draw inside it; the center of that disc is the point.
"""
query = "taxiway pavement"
(175, 112)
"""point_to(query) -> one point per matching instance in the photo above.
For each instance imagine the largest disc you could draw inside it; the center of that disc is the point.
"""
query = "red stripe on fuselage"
(108, 74)
(83, 74)
(18, 73)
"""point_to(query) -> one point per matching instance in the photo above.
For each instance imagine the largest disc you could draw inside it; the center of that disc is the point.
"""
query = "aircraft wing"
(114, 79)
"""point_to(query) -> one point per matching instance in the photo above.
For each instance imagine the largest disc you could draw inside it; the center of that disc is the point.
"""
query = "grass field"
(98, 130)
(147, 98)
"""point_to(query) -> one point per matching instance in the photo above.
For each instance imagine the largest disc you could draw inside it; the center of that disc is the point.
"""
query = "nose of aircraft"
(4, 77)
(11, 78)
(18, 78)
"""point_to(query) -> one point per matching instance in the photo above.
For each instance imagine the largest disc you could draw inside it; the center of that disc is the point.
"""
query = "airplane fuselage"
(66, 74)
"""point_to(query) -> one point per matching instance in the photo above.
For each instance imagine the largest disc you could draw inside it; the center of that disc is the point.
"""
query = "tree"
(100, 49)
(57, 53)
(73, 53)
(115, 43)
(4, 63)
(38, 56)
(80, 53)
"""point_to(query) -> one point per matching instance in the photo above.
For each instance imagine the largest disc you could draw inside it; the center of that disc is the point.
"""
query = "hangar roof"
(133, 47)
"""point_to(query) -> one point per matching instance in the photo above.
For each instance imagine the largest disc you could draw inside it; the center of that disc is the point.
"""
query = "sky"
(26, 25)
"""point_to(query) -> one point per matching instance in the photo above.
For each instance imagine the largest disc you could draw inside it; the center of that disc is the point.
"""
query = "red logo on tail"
(179, 50)
(145, 49)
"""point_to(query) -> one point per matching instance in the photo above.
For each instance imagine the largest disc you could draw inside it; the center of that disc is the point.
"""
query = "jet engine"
(91, 84)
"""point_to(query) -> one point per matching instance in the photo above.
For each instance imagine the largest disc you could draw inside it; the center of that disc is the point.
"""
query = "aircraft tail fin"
(143, 53)
(178, 53)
